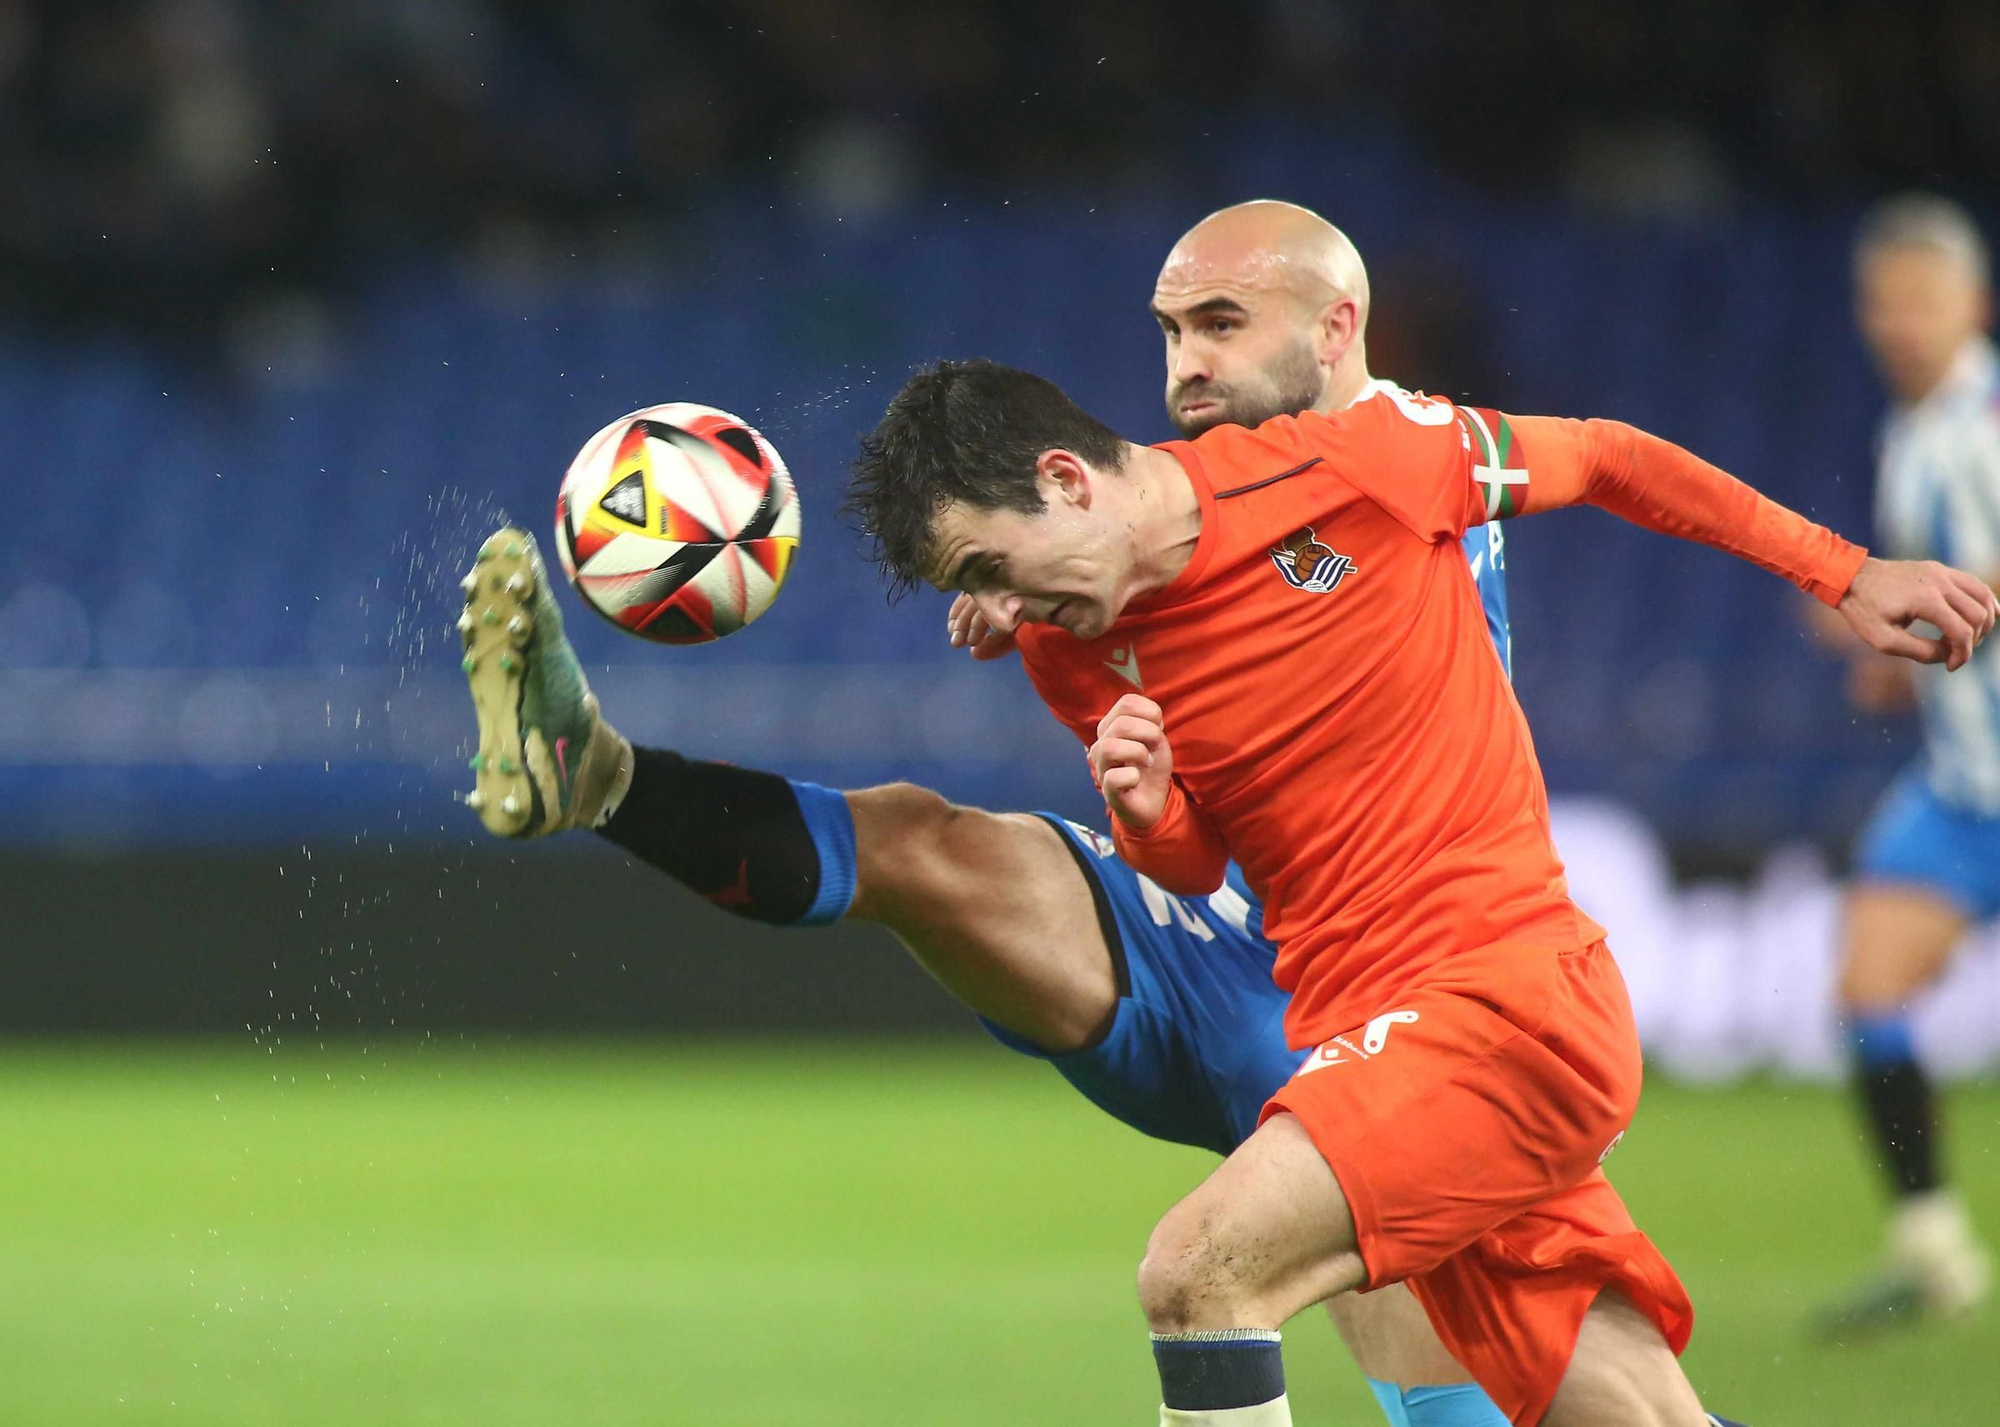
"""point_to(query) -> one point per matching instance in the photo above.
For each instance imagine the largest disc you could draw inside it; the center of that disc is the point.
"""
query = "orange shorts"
(1465, 1124)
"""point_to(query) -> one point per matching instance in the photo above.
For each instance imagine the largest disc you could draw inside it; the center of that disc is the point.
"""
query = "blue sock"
(1217, 1371)
(1881, 1039)
(830, 823)
(1456, 1405)
(1389, 1398)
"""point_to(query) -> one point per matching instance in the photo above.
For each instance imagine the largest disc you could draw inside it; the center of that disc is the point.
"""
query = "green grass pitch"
(760, 1235)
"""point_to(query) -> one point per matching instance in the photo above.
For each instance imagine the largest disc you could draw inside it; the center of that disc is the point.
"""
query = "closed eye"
(977, 573)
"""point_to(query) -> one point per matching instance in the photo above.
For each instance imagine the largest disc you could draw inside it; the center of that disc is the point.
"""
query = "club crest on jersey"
(1309, 564)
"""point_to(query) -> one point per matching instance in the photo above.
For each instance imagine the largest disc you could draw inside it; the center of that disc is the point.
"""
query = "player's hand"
(1888, 596)
(1132, 762)
(970, 631)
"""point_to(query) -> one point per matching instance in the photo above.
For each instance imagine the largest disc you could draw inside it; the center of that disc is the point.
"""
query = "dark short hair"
(962, 433)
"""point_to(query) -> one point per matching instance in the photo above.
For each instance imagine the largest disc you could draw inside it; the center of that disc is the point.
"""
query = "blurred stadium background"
(297, 301)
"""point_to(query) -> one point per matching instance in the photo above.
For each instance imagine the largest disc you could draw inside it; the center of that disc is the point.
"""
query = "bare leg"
(1267, 1234)
(1270, 1232)
(1623, 1372)
(1392, 1340)
(1898, 940)
(993, 906)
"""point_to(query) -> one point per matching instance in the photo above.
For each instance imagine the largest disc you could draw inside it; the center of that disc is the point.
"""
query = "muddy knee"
(1186, 1280)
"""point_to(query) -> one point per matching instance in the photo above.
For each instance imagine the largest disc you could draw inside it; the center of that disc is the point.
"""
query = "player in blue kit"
(1927, 867)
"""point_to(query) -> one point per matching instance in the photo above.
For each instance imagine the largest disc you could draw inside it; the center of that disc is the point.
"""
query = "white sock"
(1275, 1413)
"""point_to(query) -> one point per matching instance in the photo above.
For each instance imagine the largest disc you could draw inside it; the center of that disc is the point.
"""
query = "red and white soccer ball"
(677, 523)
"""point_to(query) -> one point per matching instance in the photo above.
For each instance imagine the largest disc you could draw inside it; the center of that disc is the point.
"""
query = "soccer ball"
(677, 523)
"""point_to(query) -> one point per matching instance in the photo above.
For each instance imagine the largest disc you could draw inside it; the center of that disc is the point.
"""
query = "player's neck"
(1344, 386)
(1965, 358)
(1165, 519)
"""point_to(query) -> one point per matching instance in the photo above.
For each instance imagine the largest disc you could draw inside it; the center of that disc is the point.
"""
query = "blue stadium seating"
(212, 522)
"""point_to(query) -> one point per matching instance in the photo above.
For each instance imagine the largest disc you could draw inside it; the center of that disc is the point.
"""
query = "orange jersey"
(1339, 720)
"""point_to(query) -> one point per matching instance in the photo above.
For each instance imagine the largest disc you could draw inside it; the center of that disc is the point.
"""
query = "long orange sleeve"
(1655, 484)
(1182, 851)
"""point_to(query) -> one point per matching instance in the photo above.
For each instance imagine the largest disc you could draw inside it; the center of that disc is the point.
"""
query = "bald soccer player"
(1321, 700)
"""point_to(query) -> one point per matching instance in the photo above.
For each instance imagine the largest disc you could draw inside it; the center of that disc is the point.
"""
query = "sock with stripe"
(1230, 1377)
(752, 843)
(1897, 1098)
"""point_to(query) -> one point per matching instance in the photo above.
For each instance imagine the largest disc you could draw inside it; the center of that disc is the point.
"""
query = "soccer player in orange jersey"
(1321, 701)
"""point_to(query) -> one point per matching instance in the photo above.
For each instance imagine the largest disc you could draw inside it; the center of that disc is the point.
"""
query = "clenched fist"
(1132, 762)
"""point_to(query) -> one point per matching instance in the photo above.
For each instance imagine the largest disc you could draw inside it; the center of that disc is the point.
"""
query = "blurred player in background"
(1928, 864)
(1161, 1010)
(1364, 758)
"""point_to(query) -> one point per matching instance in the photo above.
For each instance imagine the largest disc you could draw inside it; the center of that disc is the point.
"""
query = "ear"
(1335, 329)
(1064, 478)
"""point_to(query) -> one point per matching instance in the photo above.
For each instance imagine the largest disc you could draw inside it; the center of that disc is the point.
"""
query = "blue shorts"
(1198, 1042)
(1916, 838)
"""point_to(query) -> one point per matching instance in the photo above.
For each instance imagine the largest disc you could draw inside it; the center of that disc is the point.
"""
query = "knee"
(899, 829)
(904, 811)
(1187, 1280)
(1165, 1294)
(1873, 983)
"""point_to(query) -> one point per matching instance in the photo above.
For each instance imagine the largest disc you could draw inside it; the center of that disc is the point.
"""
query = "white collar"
(1375, 387)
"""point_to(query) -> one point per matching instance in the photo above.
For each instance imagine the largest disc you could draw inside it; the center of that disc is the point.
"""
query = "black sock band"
(733, 835)
(1902, 1112)
(1213, 1372)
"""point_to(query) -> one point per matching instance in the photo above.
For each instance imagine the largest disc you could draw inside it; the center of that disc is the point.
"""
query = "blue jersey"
(1198, 1041)
(1486, 551)
(1197, 1044)
(1938, 498)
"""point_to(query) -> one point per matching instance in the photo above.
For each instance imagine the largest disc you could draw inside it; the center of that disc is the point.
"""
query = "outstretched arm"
(1655, 484)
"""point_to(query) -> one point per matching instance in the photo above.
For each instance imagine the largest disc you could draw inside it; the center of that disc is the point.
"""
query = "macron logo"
(1374, 1040)
(1125, 664)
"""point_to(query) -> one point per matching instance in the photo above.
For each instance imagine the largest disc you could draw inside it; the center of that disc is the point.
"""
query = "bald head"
(1274, 246)
(1265, 307)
